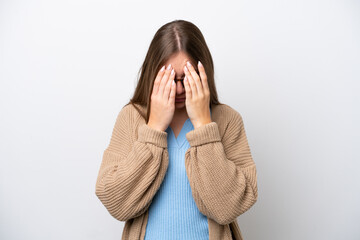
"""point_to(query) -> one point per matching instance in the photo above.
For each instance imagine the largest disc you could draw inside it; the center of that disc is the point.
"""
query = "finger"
(172, 93)
(203, 77)
(157, 80)
(188, 93)
(190, 81)
(164, 80)
(168, 85)
(195, 77)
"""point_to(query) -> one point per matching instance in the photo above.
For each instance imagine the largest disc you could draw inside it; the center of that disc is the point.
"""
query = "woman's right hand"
(162, 104)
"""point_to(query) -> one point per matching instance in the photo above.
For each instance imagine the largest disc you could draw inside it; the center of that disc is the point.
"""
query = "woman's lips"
(179, 99)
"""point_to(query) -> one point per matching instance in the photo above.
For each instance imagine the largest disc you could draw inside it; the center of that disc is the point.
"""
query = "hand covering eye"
(182, 79)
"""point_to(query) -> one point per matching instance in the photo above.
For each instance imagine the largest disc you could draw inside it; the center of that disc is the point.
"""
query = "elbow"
(120, 215)
(229, 213)
(121, 210)
(126, 213)
(113, 207)
(114, 210)
(223, 220)
(223, 215)
(246, 205)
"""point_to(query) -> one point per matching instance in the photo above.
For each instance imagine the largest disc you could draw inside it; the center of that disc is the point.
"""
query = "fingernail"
(200, 64)
(169, 66)
(188, 63)
(162, 69)
(185, 68)
(172, 72)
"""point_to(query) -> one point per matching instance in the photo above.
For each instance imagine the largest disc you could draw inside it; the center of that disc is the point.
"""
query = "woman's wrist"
(154, 126)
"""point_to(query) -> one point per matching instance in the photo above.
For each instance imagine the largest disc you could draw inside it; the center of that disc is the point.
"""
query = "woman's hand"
(162, 106)
(197, 95)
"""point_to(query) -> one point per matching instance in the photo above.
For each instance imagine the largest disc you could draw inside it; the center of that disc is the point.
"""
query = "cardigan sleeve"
(131, 171)
(221, 171)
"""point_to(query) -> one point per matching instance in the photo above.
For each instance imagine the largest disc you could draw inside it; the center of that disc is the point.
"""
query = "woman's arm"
(132, 170)
(221, 172)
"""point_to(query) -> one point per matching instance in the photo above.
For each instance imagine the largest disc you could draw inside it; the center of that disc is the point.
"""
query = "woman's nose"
(180, 86)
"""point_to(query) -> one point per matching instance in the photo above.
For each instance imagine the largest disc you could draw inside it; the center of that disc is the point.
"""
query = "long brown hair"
(171, 38)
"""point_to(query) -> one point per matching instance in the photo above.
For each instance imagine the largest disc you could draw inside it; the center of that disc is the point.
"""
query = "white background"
(291, 68)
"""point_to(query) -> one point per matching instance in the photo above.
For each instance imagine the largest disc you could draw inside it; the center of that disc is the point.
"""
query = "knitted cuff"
(147, 134)
(205, 134)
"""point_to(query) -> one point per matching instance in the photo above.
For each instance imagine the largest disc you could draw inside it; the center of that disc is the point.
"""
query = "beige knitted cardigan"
(219, 166)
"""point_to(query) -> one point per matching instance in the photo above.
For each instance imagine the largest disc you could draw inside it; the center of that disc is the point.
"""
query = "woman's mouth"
(179, 99)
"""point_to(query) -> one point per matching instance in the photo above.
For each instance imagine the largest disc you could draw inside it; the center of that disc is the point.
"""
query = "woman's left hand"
(197, 95)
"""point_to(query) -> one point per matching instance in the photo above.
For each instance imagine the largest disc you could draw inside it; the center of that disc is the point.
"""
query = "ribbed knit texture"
(218, 164)
(173, 213)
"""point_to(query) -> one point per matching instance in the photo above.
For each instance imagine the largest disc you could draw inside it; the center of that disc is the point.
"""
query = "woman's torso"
(173, 213)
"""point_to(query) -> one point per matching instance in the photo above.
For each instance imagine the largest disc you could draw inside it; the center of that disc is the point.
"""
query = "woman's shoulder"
(222, 113)
(133, 107)
(225, 113)
(132, 112)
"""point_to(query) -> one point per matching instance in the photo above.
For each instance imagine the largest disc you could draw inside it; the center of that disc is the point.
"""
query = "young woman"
(178, 165)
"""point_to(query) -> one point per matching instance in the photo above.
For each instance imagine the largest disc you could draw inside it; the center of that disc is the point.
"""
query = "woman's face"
(178, 61)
